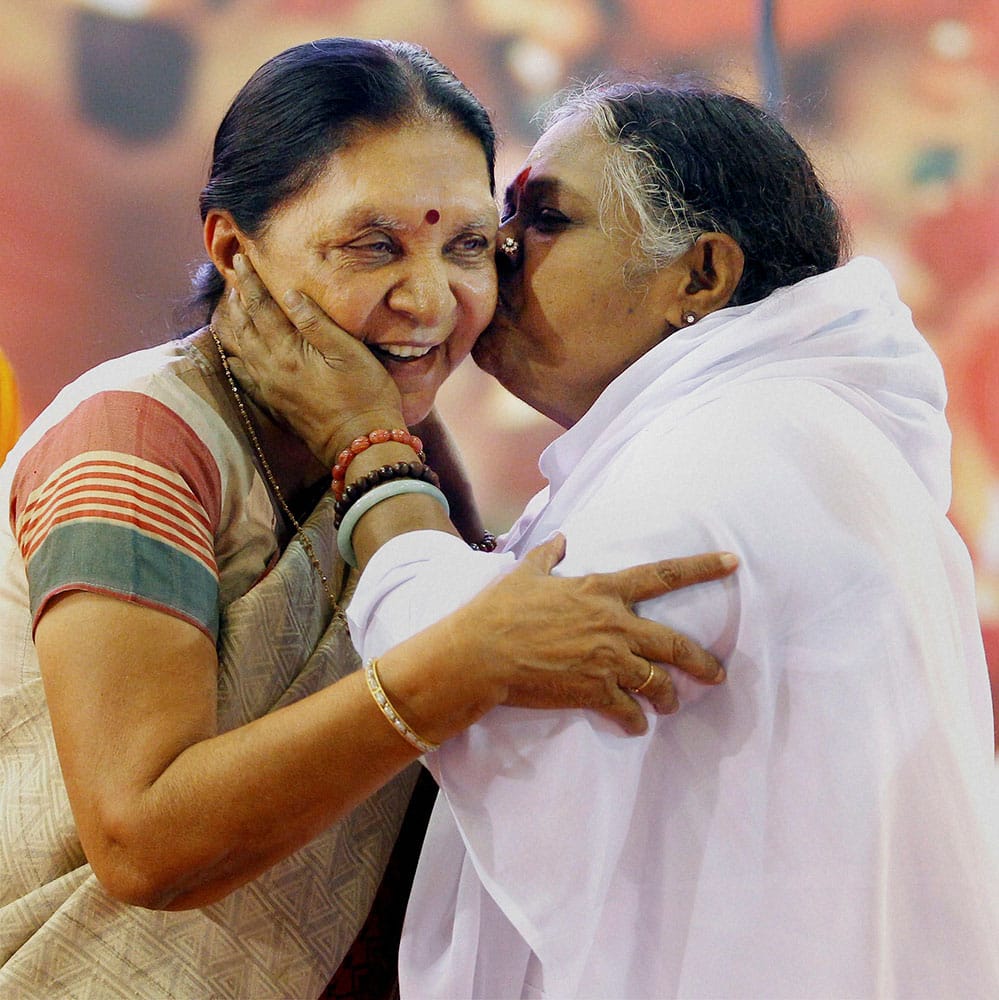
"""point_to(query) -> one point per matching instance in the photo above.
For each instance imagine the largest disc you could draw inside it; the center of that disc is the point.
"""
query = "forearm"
(229, 807)
(170, 813)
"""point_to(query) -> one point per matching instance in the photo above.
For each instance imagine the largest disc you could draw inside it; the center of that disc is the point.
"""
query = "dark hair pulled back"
(305, 104)
(705, 160)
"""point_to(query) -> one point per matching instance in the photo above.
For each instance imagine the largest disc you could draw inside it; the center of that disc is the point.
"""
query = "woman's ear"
(709, 273)
(223, 240)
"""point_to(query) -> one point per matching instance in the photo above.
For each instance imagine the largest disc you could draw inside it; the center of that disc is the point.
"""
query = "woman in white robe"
(824, 825)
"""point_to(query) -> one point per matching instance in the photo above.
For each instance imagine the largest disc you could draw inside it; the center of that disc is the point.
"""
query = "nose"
(424, 294)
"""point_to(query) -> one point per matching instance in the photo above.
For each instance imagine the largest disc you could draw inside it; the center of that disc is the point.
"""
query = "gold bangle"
(388, 710)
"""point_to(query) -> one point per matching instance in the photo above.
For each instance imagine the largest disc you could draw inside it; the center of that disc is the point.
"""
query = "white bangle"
(388, 710)
(383, 491)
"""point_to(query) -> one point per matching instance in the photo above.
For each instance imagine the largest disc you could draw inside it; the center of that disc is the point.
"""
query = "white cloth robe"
(822, 825)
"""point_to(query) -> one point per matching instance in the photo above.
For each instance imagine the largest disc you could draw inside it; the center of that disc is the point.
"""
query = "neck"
(299, 475)
(298, 472)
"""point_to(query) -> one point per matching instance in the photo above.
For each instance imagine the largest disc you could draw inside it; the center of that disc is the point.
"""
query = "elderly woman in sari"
(199, 789)
(673, 291)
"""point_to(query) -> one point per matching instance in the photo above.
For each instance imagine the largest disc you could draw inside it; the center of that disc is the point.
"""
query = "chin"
(416, 410)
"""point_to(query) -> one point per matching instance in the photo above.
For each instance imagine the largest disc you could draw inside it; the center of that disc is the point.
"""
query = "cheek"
(575, 300)
(554, 297)
(349, 304)
(477, 303)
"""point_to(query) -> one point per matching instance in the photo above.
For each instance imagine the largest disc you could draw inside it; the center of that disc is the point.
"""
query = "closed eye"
(374, 243)
(472, 241)
(547, 220)
(469, 245)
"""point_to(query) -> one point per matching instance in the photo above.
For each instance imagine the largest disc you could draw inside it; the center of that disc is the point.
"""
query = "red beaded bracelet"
(380, 436)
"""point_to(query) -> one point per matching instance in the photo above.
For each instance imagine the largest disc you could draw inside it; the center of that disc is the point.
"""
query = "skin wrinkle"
(385, 276)
(544, 344)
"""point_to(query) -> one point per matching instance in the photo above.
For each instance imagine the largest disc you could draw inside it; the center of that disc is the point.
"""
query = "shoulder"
(774, 465)
(151, 412)
(756, 430)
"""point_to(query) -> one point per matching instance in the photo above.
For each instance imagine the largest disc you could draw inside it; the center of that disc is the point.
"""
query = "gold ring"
(641, 687)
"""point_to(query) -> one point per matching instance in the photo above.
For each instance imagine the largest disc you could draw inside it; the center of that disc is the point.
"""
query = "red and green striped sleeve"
(121, 498)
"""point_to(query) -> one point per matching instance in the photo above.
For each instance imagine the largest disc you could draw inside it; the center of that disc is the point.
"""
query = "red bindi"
(521, 179)
(433, 217)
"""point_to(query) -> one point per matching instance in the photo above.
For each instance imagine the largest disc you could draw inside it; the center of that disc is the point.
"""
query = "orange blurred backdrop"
(108, 107)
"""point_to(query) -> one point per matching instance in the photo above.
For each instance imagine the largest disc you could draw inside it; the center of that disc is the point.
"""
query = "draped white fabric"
(823, 825)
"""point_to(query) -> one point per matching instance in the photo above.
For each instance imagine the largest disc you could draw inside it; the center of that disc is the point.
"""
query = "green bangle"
(360, 507)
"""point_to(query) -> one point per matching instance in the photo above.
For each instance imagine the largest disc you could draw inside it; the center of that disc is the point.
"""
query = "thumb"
(545, 557)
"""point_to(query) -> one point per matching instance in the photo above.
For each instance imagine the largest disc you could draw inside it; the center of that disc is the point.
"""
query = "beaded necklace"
(251, 433)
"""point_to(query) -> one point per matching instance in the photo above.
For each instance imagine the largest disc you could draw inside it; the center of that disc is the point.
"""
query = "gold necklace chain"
(272, 479)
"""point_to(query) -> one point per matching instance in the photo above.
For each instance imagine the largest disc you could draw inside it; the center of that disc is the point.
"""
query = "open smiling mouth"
(400, 353)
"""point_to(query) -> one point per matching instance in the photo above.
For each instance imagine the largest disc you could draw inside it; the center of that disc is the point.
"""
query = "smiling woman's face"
(396, 242)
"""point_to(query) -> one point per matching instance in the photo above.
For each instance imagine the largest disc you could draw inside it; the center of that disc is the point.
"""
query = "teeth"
(403, 351)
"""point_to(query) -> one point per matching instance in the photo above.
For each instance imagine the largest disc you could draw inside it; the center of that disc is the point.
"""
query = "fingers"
(640, 583)
(626, 712)
(261, 315)
(624, 708)
(319, 331)
(299, 334)
(297, 312)
(661, 644)
(645, 581)
(545, 557)
(656, 686)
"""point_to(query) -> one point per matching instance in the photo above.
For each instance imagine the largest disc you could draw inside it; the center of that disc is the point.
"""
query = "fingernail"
(293, 299)
(238, 261)
(720, 676)
(728, 560)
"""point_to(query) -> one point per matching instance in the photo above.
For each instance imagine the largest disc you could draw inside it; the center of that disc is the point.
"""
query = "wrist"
(440, 698)
(365, 442)
(341, 436)
(375, 457)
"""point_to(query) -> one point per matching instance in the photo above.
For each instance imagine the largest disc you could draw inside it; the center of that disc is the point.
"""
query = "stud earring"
(510, 247)
(689, 317)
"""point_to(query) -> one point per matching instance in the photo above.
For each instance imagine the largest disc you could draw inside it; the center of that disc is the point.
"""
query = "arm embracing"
(173, 815)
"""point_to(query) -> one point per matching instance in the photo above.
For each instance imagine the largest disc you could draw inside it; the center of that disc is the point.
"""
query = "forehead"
(571, 152)
(410, 170)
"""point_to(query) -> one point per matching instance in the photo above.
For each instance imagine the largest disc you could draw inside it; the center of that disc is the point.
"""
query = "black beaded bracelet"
(401, 470)
(487, 543)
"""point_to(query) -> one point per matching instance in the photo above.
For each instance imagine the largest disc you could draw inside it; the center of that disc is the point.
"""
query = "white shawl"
(823, 825)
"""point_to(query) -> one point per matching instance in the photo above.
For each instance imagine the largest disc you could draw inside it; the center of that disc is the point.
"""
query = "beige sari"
(280, 936)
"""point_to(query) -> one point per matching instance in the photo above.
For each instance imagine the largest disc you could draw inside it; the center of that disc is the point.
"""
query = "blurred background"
(108, 109)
